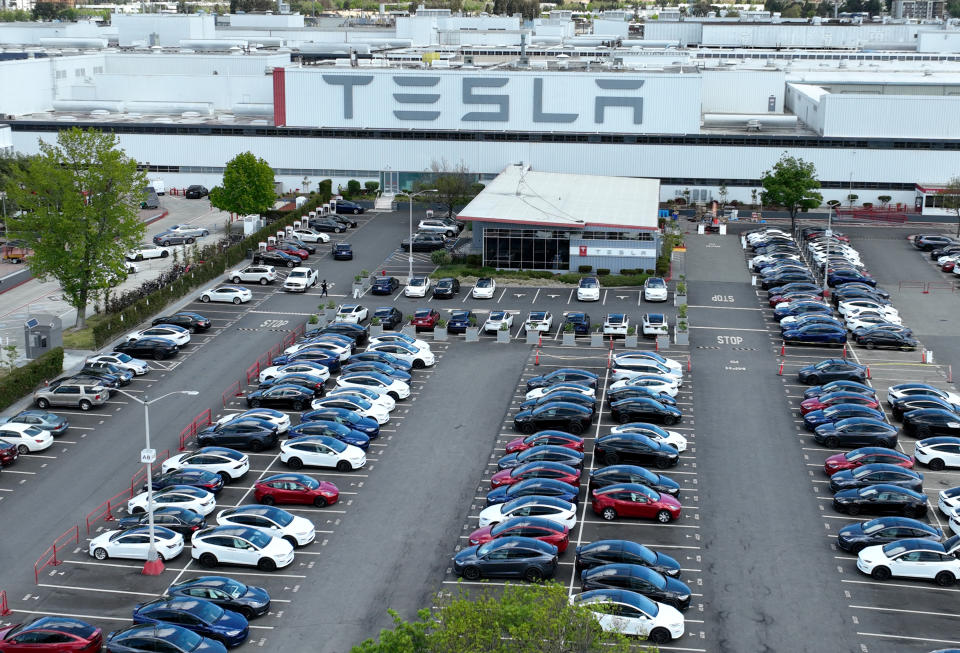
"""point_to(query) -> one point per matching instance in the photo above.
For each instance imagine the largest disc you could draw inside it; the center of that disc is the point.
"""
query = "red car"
(545, 530)
(8, 454)
(794, 297)
(866, 456)
(948, 266)
(832, 398)
(58, 634)
(425, 319)
(556, 438)
(634, 500)
(540, 469)
(295, 488)
(291, 249)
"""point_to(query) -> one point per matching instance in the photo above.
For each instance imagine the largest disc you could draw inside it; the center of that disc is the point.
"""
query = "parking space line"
(68, 614)
(924, 612)
(910, 639)
(95, 589)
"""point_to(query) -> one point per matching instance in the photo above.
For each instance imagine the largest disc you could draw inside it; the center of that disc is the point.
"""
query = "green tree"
(79, 202)
(951, 199)
(792, 183)
(455, 185)
(793, 11)
(953, 8)
(884, 200)
(247, 186)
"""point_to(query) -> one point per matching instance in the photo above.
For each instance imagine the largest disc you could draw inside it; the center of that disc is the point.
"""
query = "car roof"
(618, 596)
(515, 541)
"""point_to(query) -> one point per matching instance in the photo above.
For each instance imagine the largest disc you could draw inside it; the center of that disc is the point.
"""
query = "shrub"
(314, 319)
(474, 260)
(442, 323)
(325, 189)
(603, 271)
(583, 269)
(375, 321)
(441, 257)
(681, 288)
(22, 381)
(371, 186)
(353, 187)
(623, 280)
(567, 327)
(650, 271)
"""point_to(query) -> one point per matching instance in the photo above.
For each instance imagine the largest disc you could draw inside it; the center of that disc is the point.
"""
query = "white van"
(158, 186)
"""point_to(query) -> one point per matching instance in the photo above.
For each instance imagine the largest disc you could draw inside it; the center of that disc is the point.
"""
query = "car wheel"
(870, 345)
(190, 241)
(857, 548)
(450, 234)
(255, 403)
(576, 428)
(158, 355)
(659, 636)
(471, 573)
(914, 511)
(164, 254)
(527, 429)
(291, 264)
(204, 233)
(344, 466)
(292, 540)
(945, 579)
(624, 419)
(664, 517)
(85, 405)
(337, 229)
(295, 463)
(267, 500)
(888, 444)
(137, 511)
(320, 502)
(880, 573)
(355, 211)
(256, 446)
(236, 279)
(22, 449)
(43, 403)
(263, 281)
(533, 574)
(609, 514)
(396, 396)
(611, 458)
(418, 364)
(812, 380)
(936, 464)
(662, 463)
(205, 299)
(831, 443)
(853, 509)
(246, 612)
(669, 420)
(100, 553)
(138, 257)
(226, 477)
(208, 560)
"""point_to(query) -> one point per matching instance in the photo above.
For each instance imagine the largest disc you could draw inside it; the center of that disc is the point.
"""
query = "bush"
(371, 186)
(441, 257)
(583, 269)
(325, 188)
(353, 188)
(650, 271)
(474, 260)
(603, 271)
(622, 280)
(22, 381)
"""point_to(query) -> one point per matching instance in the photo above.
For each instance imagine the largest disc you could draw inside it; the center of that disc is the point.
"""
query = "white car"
(569, 386)
(123, 361)
(27, 438)
(496, 320)
(616, 324)
(655, 290)
(868, 319)
(343, 353)
(552, 508)
(229, 294)
(147, 250)
(311, 236)
(275, 417)
(758, 260)
(485, 288)
(644, 368)
(188, 230)
(653, 382)
(632, 614)
(913, 558)
(314, 370)
(376, 382)
(353, 313)
(262, 274)
(321, 451)
(890, 314)
(588, 290)
(398, 336)
(181, 496)
(369, 395)
(417, 287)
(298, 531)
(937, 453)
(176, 335)
(300, 279)
(767, 233)
(228, 463)
(240, 545)
(541, 321)
(911, 389)
(437, 227)
(134, 543)
(655, 324)
(418, 358)
(949, 501)
(859, 305)
(655, 433)
(626, 358)
(364, 408)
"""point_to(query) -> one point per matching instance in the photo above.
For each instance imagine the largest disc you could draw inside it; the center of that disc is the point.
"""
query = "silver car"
(72, 394)
(188, 230)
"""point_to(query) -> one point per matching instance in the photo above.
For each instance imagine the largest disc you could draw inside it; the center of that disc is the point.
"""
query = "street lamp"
(410, 231)
(826, 262)
(154, 565)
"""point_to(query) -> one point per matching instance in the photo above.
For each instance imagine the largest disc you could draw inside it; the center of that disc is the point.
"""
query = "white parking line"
(95, 589)
(69, 614)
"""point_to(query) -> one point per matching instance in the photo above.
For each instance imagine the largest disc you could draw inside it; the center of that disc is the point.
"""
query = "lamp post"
(154, 565)
(826, 263)
(410, 231)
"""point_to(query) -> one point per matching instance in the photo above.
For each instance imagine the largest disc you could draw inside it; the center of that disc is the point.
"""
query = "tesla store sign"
(586, 250)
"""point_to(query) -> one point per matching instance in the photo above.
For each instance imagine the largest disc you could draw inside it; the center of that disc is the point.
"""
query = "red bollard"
(868, 372)
(536, 361)
(688, 362)
(780, 371)
(611, 343)
(844, 350)
(783, 348)
(656, 344)
(609, 359)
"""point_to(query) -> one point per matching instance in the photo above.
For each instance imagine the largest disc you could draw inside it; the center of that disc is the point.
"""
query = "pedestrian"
(323, 288)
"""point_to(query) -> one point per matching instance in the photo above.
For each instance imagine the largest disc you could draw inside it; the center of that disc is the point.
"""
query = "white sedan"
(629, 613)
(485, 288)
(859, 305)
(949, 501)
(417, 287)
(376, 382)
(655, 433)
(588, 290)
(369, 395)
(275, 417)
(321, 451)
(911, 389)
(26, 437)
(134, 544)
(314, 370)
(176, 335)
(180, 496)
(541, 321)
(625, 359)
(123, 361)
(913, 558)
(343, 353)
(229, 294)
(653, 382)
(228, 463)
(655, 324)
(396, 336)
(364, 408)
(655, 290)
(552, 508)
(240, 545)
(890, 314)
(299, 531)
(616, 324)
(311, 236)
(147, 250)
(585, 390)
(353, 313)
(496, 321)
(300, 279)
(867, 319)
(418, 358)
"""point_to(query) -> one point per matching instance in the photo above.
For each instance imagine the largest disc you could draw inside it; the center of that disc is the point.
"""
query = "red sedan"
(793, 297)
(425, 319)
(866, 456)
(545, 530)
(556, 438)
(291, 249)
(540, 469)
(51, 634)
(634, 500)
(8, 454)
(948, 266)
(295, 488)
(833, 398)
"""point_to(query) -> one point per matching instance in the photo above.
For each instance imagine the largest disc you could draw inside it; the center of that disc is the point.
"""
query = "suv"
(195, 192)
(262, 274)
(930, 242)
(72, 394)
(342, 252)
(440, 227)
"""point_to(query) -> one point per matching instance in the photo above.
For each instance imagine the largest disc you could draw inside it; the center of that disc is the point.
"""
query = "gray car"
(71, 394)
(41, 419)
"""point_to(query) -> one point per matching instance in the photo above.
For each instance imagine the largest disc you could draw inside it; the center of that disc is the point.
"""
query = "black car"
(446, 288)
(605, 552)
(874, 474)
(385, 286)
(930, 242)
(192, 476)
(947, 250)
(507, 557)
(366, 425)
(227, 593)
(342, 252)
(346, 206)
(639, 579)
(856, 432)
(615, 474)
(309, 248)
(883, 530)
(195, 192)
(355, 332)
(111, 375)
(303, 380)
(804, 286)
(544, 487)
(193, 322)
(424, 242)
(881, 499)
(927, 422)
(166, 238)
(787, 277)
(580, 322)
(636, 391)
(561, 395)
(277, 257)
(281, 396)
(562, 415)
(838, 412)
(543, 453)
(156, 348)
(885, 339)
(344, 220)
(904, 405)
(327, 224)
(182, 520)
(644, 409)
(561, 375)
(247, 433)
(832, 369)
(634, 448)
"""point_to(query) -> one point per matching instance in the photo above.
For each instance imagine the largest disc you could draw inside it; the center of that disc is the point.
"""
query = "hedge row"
(21, 381)
(214, 264)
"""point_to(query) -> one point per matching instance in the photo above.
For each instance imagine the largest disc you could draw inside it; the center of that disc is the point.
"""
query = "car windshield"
(893, 549)
(234, 588)
(588, 283)
(484, 283)
(282, 517)
(383, 312)
(444, 284)
(258, 538)
(183, 639)
(538, 316)
(655, 283)
(417, 281)
(614, 319)
(459, 315)
(422, 313)
(498, 315)
(299, 273)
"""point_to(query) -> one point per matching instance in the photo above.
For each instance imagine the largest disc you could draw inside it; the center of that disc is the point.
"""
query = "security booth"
(41, 333)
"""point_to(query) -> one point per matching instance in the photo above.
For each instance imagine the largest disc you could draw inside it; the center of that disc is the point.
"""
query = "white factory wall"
(222, 91)
(31, 33)
(35, 77)
(6, 140)
(685, 32)
(893, 116)
(619, 28)
(198, 65)
(752, 95)
(939, 41)
(135, 29)
(769, 35)
(804, 101)
(267, 21)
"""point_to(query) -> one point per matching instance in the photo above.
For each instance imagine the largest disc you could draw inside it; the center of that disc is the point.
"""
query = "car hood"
(509, 461)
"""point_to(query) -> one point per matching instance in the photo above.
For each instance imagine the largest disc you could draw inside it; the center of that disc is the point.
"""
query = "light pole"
(154, 565)
(826, 263)
(410, 231)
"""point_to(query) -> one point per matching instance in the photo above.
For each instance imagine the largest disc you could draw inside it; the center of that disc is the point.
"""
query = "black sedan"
(832, 369)
(196, 192)
(247, 433)
(816, 334)
(446, 288)
(644, 409)
(346, 206)
(107, 371)
(193, 322)
(875, 474)
(787, 277)
(562, 415)
(327, 224)
(856, 432)
(903, 405)
(345, 220)
(281, 396)
(561, 375)
(640, 579)
(156, 348)
(227, 593)
(546, 452)
(507, 557)
(277, 257)
(633, 392)
(425, 242)
(881, 499)
(837, 413)
(634, 448)
(192, 476)
(839, 386)
(605, 552)
(182, 520)
(385, 286)
(633, 474)
(925, 422)
(355, 332)
(390, 317)
(884, 339)
(302, 380)
(561, 395)
(883, 530)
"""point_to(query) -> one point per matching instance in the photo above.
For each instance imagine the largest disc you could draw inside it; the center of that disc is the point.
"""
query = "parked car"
(918, 558)
(228, 294)
(655, 290)
(147, 250)
(195, 192)
(296, 489)
(41, 419)
(51, 634)
(616, 324)
(423, 242)
(485, 288)
(570, 417)
(634, 500)
(507, 557)
(496, 321)
(853, 538)
(425, 319)
(446, 288)
(603, 552)
(640, 579)
(140, 638)
(226, 592)
(346, 206)
(276, 257)
(192, 322)
(240, 545)
(385, 286)
(881, 499)
(926, 422)
(579, 322)
(75, 394)
(342, 252)
(134, 543)
(588, 289)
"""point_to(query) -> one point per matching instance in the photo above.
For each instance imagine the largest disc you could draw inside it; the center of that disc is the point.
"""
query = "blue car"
(836, 386)
(381, 357)
(801, 308)
(192, 476)
(41, 419)
(140, 638)
(333, 430)
(366, 425)
(342, 252)
(460, 320)
(580, 322)
(837, 412)
(816, 334)
(378, 367)
(199, 615)
(330, 360)
(845, 275)
(539, 486)
(385, 286)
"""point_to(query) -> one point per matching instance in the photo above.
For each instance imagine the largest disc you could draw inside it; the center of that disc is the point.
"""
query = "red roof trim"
(563, 225)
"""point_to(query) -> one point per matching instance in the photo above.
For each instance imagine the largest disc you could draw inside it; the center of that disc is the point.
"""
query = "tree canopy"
(792, 183)
(951, 199)
(78, 201)
(455, 185)
(247, 186)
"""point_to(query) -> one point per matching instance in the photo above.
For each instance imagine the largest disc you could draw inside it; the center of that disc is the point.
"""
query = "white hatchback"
(353, 313)
(376, 382)
(181, 496)
(655, 433)
(319, 372)
(541, 321)
(123, 361)
(134, 544)
(298, 531)
(417, 287)
(485, 288)
(655, 290)
(26, 437)
(176, 335)
(629, 613)
(397, 336)
(321, 451)
(311, 236)
(241, 545)
(228, 294)
(228, 463)
(418, 358)
(496, 321)
(588, 290)
(275, 417)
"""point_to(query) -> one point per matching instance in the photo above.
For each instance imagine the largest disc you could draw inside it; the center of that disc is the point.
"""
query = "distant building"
(919, 9)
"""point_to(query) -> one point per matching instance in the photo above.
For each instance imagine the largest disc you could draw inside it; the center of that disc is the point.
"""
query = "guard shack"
(41, 333)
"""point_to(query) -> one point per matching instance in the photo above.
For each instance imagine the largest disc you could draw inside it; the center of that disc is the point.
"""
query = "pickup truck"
(14, 251)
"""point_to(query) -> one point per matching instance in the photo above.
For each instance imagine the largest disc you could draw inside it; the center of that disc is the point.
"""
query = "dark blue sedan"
(323, 356)
(331, 429)
(801, 308)
(382, 357)
(580, 322)
(833, 414)
(539, 486)
(838, 277)
(366, 425)
(837, 386)
(385, 286)
(460, 320)
(195, 477)
(378, 367)
(141, 638)
(199, 615)
(816, 334)
(228, 593)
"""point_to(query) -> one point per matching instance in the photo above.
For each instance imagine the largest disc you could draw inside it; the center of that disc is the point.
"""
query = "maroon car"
(539, 469)
(291, 249)
(840, 397)
(295, 489)
(545, 530)
(425, 319)
(556, 438)
(634, 500)
(866, 456)
(59, 634)
(8, 454)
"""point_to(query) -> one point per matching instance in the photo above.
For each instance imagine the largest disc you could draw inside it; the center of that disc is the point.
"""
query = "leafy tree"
(793, 11)
(951, 199)
(884, 199)
(79, 202)
(953, 8)
(852, 198)
(455, 185)
(247, 186)
(792, 183)
(251, 5)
